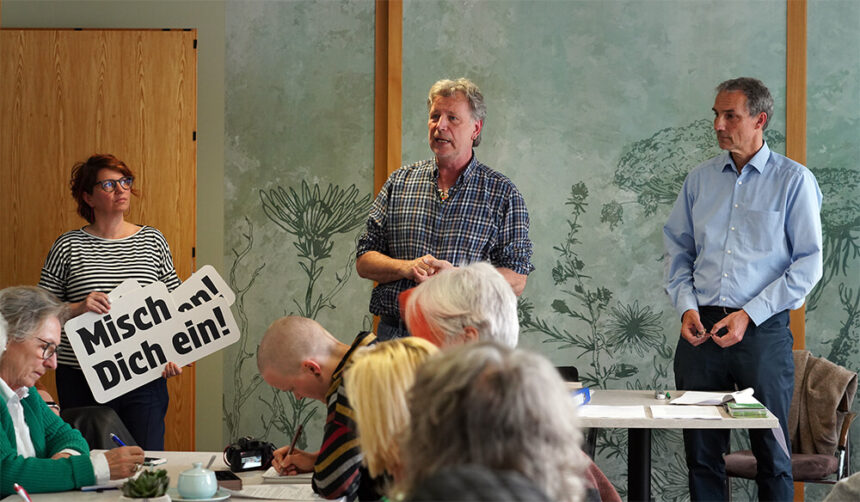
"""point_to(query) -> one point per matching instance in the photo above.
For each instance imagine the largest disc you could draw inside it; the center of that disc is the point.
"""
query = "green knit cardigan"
(50, 435)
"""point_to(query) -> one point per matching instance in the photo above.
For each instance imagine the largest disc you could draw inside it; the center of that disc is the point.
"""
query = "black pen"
(116, 439)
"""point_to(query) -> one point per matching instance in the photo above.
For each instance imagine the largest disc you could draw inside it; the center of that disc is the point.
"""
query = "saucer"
(219, 495)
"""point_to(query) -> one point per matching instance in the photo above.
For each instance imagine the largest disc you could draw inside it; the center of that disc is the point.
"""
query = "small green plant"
(149, 484)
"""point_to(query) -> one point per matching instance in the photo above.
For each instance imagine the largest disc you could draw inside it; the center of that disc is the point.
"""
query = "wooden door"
(67, 94)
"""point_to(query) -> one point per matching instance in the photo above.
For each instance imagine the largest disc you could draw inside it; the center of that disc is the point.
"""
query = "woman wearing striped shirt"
(85, 264)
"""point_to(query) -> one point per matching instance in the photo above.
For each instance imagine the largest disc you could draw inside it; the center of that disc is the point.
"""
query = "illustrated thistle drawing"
(313, 219)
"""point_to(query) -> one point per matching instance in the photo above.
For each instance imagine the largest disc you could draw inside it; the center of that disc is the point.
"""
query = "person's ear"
(469, 335)
(478, 125)
(761, 121)
(312, 366)
(88, 198)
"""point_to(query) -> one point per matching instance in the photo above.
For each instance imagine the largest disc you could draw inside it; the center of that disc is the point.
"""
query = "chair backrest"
(568, 373)
(96, 423)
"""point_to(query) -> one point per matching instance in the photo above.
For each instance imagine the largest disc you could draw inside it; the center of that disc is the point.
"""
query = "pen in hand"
(295, 438)
(293, 442)
(116, 439)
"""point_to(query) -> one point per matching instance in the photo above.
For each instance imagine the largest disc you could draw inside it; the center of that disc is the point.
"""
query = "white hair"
(475, 295)
(2, 334)
(506, 409)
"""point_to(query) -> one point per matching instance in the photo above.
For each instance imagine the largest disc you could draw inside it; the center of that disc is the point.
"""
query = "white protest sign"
(129, 346)
(201, 287)
(124, 287)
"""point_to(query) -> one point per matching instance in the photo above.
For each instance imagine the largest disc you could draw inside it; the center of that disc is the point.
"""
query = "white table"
(177, 461)
(639, 431)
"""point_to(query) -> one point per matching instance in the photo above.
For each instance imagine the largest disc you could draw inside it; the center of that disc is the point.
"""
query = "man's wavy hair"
(447, 88)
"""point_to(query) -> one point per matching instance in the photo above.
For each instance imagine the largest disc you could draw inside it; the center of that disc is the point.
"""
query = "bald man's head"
(291, 340)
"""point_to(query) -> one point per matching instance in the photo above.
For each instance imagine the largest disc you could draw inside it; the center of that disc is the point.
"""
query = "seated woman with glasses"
(84, 265)
(37, 449)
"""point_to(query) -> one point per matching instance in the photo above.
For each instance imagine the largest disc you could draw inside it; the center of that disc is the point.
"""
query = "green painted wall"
(298, 183)
(833, 154)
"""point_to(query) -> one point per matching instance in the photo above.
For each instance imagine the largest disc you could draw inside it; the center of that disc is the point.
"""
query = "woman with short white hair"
(462, 304)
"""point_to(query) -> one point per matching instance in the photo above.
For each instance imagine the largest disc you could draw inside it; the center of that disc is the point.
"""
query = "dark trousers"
(762, 360)
(390, 327)
(141, 410)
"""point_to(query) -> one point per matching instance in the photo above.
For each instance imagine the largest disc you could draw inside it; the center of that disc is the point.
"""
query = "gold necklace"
(443, 194)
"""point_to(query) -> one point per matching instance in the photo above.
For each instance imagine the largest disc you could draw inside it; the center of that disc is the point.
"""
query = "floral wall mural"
(596, 110)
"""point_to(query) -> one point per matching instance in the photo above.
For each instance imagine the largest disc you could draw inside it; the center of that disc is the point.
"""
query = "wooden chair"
(805, 467)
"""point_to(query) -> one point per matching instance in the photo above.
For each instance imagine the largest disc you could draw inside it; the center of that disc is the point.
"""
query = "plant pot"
(163, 498)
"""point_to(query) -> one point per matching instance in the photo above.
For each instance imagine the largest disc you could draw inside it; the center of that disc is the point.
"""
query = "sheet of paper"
(706, 398)
(669, 411)
(745, 396)
(604, 411)
(277, 492)
(697, 397)
(272, 476)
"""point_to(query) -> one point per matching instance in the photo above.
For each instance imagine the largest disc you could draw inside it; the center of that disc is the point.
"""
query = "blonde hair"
(377, 382)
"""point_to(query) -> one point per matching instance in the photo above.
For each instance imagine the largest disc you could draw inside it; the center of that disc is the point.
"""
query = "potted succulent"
(149, 486)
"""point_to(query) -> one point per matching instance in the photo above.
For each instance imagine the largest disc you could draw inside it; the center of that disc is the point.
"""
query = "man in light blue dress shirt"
(743, 245)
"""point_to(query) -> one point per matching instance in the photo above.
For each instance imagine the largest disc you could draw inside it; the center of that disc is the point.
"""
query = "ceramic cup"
(197, 483)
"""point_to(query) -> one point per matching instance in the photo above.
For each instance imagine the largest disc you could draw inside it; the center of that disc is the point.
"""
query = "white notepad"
(272, 476)
(604, 411)
(675, 412)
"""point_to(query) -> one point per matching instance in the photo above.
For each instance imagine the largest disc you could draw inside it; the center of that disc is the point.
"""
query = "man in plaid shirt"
(444, 212)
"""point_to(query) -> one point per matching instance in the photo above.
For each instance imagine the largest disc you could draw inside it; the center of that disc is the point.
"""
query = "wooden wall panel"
(70, 93)
(795, 117)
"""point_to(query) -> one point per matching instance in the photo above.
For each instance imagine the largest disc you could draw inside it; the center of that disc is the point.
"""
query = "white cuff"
(101, 469)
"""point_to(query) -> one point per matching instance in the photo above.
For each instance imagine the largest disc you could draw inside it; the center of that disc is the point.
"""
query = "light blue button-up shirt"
(750, 241)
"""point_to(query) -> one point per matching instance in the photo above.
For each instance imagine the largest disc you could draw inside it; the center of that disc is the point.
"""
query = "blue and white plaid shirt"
(484, 219)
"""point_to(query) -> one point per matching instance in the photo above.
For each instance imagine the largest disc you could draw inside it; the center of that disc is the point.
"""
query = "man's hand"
(692, 329)
(298, 462)
(62, 454)
(418, 269)
(433, 267)
(736, 323)
(124, 461)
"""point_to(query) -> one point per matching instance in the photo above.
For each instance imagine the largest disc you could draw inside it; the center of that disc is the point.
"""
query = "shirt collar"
(7, 393)
(757, 162)
(465, 175)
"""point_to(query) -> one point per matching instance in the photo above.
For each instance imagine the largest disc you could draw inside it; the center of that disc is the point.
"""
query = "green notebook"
(746, 410)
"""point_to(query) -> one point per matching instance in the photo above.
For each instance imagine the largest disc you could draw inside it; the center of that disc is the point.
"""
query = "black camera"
(247, 454)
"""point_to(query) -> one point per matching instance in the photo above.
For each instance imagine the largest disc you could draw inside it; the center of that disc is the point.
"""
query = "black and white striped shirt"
(80, 263)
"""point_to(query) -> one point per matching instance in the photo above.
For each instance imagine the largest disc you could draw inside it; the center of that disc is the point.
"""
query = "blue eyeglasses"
(110, 185)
